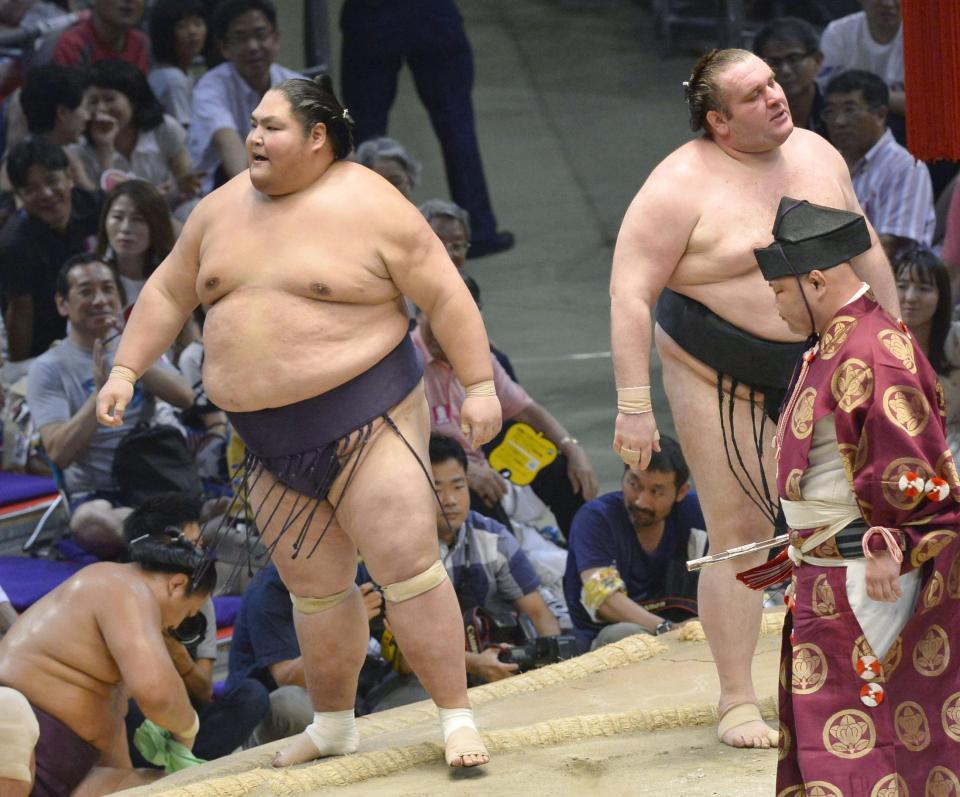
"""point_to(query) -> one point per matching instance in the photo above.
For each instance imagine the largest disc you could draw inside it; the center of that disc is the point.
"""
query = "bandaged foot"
(743, 726)
(464, 747)
(330, 733)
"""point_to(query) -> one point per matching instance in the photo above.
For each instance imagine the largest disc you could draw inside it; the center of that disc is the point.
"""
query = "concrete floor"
(574, 108)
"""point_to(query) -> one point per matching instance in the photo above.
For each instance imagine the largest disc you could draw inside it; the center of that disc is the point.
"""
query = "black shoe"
(500, 242)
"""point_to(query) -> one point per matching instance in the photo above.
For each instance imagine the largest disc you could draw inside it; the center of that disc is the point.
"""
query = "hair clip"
(346, 116)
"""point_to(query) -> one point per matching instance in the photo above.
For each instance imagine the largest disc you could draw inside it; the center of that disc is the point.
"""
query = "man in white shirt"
(246, 32)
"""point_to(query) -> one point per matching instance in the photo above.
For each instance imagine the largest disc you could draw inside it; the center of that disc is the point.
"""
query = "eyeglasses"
(849, 111)
(459, 248)
(259, 36)
(793, 60)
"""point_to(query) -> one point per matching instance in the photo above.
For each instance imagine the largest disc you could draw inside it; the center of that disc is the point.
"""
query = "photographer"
(626, 564)
(227, 722)
(486, 565)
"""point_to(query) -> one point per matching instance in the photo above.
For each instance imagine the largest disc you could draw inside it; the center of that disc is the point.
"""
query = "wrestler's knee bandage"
(315, 605)
(401, 591)
(19, 731)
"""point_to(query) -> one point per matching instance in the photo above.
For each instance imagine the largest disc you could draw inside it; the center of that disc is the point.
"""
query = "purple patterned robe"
(889, 413)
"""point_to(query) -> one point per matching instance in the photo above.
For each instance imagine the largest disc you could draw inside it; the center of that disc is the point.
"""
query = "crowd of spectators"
(129, 116)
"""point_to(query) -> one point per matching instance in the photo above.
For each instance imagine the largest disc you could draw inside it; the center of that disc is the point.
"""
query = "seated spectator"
(80, 651)
(486, 565)
(265, 648)
(951, 243)
(129, 131)
(630, 547)
(109, 32)
(893, 188)
(62, 387)
(54, 223)
(52, 102)
(7, 613)
(134, 236)
(246, 33)
(563, 485)
(870, 40)
(791, 47)
(178, 34)
(390, 159)
(923, 286)
(227, 722)
(451, 223)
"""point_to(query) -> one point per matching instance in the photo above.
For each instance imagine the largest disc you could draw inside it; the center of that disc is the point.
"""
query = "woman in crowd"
(136, 233)
(390, 159)
(129, 131)
(178, 34)
(923, 285)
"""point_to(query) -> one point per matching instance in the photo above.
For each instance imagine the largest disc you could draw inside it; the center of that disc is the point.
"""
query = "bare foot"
(742, 726)
(302, 748)
(465, 748)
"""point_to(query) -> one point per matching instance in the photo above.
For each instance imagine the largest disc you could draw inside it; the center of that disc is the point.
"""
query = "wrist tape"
(634, 400)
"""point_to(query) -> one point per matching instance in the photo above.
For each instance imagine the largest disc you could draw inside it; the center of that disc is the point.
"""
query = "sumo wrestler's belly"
(267, 348)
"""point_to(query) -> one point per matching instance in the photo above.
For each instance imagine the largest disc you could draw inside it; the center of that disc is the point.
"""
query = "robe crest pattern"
(898, 733)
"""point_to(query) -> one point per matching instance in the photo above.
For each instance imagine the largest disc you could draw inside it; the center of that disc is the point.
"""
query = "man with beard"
(622, 546)
(687, 240)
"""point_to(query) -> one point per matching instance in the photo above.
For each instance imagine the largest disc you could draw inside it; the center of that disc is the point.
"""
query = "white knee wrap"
(19, 732)
(401, 591)
(315, 605)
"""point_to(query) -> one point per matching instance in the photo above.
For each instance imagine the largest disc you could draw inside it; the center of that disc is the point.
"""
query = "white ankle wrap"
(452, 719)
(334, 732)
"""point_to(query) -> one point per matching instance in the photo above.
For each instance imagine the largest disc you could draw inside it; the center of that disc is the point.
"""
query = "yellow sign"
(523, 453)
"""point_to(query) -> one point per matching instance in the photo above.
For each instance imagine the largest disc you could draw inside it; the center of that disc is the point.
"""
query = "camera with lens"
(517, 639)
(191, 630)
(539, 652)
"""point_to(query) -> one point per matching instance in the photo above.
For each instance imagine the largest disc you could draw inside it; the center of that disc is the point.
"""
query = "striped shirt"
(895, 191)
(487, 566)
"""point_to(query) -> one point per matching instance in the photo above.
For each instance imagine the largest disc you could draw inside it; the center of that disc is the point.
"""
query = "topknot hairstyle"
(702, 92)
(313, 102)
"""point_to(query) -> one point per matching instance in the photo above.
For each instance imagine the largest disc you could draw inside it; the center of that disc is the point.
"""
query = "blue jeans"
(429, 36)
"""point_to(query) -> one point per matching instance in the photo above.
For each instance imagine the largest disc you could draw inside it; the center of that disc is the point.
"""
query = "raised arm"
(652, 239)
(422, 270)
(162, 308)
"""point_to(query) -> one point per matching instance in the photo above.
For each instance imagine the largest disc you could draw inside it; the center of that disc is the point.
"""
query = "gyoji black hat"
(808, 237)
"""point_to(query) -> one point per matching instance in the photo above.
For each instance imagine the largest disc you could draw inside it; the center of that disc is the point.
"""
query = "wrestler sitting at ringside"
(305, 260)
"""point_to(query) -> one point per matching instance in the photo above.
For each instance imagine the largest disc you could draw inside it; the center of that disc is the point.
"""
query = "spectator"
(630, 547)
(129, 131)
(923, 286)
(246, 33)
(893, 188)
(429, 36)
(62, 387)
(390, 159)
(486, 565)
(227, 722)
(80, 651)
(8, 614)
(178, 34)
(52, 103)
(54, 223)
(134, 236)
(951, 243)
(563, 485)
(109, 32)
(791, 47)
(451, 223)
(265, 648)
(870, 40)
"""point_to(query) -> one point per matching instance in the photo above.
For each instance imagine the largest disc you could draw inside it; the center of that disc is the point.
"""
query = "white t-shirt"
(847, 44)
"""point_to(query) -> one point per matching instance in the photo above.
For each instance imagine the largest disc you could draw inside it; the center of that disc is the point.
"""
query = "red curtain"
(931, 55)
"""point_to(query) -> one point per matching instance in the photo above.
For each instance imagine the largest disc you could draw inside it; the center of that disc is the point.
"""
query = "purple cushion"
(226, 607)
(27, 580)
(16, 487)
